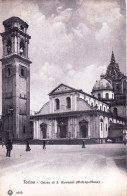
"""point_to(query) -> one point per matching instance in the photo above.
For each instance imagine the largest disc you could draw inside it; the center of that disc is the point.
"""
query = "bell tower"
(15, 80)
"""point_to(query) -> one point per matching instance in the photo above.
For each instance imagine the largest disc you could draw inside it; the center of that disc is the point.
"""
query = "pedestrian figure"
(83, 143)
(44, 144)
(2, 144)
(27, 146)
(52, 142)
(9, 148)
(124, 142)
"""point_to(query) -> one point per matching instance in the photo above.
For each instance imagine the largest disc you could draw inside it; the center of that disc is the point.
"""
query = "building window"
(101, 124)
(117, 88)
(57, 104)
(9, 46)
(107, 96)
(8, 71)
(124, 87)
(68, 102)
(104, 109)
(24, 129)
(99, 96)
(92, 104)
(22, 72)
(22, 47)
(115, 111)
(22, 28)
(9, 26)
(100, 107)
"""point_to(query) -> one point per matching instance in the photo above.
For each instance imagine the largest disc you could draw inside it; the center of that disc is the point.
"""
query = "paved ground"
(65, 170)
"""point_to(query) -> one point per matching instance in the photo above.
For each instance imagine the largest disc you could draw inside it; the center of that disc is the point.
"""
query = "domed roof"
(102, 84)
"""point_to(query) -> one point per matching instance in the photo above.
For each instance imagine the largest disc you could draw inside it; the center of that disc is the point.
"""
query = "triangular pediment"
(83, 121)
(62, 88)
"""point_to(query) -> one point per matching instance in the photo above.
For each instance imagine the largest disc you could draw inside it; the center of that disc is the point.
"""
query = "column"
(55, 133)
(26, 47)
(34, 129)
(13, 43)
(38, 130)
(4, 46)
(15, 48)
(75, 127)
(89, 129)
(18, 44)
(75, 102)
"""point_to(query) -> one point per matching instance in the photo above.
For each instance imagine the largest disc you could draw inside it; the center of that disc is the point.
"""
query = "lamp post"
(10, 113)
(124, 136)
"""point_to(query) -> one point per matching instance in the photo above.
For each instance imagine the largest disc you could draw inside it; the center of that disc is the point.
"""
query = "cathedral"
(70, 113)
(74, 114)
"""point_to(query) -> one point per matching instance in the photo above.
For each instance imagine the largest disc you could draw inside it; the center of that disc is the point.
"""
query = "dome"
(102, 84)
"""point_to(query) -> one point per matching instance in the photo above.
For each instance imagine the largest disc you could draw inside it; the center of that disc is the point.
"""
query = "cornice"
(15, 30)
(76, 113)
(4, 59)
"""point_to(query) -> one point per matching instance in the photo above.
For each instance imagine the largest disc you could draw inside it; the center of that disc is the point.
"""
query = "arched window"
(68, 102)
(107, 96)
(8, 71)
(9, 46)
(101, 124)
(96, 106)
(22, 28)
(115, 111)
(124, 87)
(22, 72)
(104, 109)
(57, 104)
(100, 107)
(22, 47)
(99, 96)
(117, 88)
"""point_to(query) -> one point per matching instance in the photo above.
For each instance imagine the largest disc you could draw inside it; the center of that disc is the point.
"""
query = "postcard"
(63, 88)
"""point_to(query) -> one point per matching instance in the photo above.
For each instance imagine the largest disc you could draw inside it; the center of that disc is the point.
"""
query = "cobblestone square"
(65, 169)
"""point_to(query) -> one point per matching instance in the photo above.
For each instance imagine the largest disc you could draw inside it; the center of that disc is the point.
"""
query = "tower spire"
(112, 58)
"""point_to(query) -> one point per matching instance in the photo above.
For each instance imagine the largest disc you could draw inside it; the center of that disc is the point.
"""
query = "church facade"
(72, 113)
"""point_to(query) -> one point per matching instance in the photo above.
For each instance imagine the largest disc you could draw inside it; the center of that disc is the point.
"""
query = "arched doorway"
(44, 130)
(62, 124)
(83, 129)
(63, 131)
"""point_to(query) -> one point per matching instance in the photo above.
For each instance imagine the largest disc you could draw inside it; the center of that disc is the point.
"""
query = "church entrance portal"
(62, 127)
(44, 130)
(83, 129)
(63, 131)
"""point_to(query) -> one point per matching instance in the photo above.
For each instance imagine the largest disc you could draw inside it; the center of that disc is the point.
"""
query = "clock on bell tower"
(15, 80)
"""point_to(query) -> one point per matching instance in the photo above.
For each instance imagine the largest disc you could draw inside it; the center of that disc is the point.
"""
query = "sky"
(71, 41)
